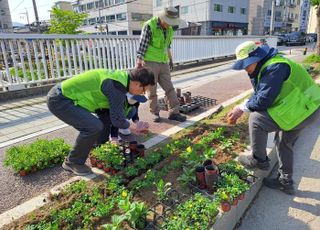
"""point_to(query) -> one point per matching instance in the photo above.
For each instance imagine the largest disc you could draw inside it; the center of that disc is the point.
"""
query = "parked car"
(312, 37)
(296, 38)
(282, 38)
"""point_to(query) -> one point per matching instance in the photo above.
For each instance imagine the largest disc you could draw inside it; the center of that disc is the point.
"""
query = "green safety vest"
(299, 96)
(157, 50)
(85, 88)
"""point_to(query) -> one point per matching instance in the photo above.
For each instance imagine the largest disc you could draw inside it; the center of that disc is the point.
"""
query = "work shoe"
(280, 184)
(125, 132)
(177, 117)
(155, 117)
(80, 170)
(250, 162)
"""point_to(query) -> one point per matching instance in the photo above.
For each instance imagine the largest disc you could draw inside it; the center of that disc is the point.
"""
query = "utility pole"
(36, 14)
(272, 17)
(27, 15)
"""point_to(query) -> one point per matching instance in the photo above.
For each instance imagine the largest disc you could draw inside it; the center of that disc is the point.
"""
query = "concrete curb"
(39, 201)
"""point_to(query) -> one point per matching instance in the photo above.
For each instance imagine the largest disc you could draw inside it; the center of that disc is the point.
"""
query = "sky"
(18, 10)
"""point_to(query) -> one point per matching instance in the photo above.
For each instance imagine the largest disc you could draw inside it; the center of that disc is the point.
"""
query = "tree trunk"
(318, 29)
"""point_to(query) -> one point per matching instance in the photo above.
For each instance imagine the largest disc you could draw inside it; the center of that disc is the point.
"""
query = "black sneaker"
(177, 117)
(155, 117)
(80, 170)
(280, 184)
(250, 162)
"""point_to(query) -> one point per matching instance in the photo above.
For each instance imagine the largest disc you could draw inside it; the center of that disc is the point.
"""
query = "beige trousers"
(162, 76)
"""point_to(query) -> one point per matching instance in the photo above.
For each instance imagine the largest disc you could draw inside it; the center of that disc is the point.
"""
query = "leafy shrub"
(40, 154)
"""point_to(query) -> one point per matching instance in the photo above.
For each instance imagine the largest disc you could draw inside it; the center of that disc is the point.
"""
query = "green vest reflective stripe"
(299, 96)
(157, 50)
(85, 88)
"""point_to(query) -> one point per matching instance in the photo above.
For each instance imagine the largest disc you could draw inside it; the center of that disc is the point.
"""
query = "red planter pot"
(113, 171)
(22, 173)
(106, 169)
(200, 176)
(140, 150)
(93, 161)
(241, 196)
(99, 165)
(235, 202)
(225, 206)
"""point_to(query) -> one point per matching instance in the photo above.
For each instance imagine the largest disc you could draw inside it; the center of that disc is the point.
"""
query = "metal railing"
(32, 60)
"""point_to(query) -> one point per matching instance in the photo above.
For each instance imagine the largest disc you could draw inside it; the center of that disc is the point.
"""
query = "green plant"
(131, 171)
(162, 189)
(187, 176)
(198, 212)
(232, 167)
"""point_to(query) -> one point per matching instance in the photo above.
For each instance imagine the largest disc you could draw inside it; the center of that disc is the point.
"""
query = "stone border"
(42, 199)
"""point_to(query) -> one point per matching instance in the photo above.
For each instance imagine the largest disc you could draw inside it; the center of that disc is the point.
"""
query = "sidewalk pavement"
(274, 209)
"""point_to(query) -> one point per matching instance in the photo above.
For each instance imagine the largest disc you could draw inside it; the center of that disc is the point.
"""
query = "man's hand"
(139, 63)
(234, 115)
(142, 127)
(171, 64)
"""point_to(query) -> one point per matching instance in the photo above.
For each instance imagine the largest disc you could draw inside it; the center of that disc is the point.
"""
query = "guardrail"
(36, 59)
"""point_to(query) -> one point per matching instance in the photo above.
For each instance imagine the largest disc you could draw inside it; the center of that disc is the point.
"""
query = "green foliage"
(41, 153)
(65, 21)
(232, 167)
(315, 2)
(313, 58)
(187, 176)
(196, 213)
(162, 189)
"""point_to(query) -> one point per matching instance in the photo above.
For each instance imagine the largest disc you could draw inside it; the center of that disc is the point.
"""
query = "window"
(92, 21)
(118, 1)
(218, 7)
(136, 32)
(231, 9)
(110, 18)
(107, 2)
(140, 17)
(102, 19)
(269, 13)
(122, 32)
(113, 33)
(82, 8)
(184, 9)
(85, 22)
(99, 4)
(90, 5)
(158, 3)
(121, 17)
(5, 26)
(243, 11)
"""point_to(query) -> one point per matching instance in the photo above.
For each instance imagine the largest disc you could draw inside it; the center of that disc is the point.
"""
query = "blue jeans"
(92, 129)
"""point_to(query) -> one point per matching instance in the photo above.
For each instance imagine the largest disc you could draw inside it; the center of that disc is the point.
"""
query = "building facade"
(312, 22)
(5, 17)
(114, 17)
(217, 17)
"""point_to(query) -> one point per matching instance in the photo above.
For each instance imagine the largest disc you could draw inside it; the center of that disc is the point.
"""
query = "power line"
(18, 5)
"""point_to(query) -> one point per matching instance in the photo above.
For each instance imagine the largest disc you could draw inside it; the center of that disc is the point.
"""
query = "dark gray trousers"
(260, 124)
(93, 130)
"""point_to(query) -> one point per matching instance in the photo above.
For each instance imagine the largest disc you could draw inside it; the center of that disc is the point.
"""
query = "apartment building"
(217, 17)
(114, 17)
(5, 17)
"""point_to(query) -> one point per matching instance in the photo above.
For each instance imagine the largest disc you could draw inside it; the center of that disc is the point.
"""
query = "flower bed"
(38, 155)
(139, 195)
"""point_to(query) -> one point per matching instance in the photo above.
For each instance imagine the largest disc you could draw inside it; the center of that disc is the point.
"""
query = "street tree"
(316, 3)
(65, 21)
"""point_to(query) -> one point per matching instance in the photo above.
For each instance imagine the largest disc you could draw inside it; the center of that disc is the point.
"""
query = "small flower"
(124, 193)
(189, 149)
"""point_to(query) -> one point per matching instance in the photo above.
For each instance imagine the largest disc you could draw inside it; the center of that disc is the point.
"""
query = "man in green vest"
(285, 101)
(154, 53)
(78, 101)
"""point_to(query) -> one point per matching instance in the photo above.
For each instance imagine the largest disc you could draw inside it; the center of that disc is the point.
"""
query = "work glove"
(171, 64)
(142, 127)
